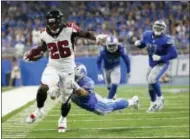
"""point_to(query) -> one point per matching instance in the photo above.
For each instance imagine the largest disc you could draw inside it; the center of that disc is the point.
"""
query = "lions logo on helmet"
(80, 71)
(111, 44)
(159, 27)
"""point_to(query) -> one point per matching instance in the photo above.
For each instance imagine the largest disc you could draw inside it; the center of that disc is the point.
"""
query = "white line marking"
(108, 128)
(164, 136)
(21, 128)
(126, 119)
(81, 110)
(127, 113)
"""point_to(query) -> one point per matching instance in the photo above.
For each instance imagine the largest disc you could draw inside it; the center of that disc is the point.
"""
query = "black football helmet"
(54, 21)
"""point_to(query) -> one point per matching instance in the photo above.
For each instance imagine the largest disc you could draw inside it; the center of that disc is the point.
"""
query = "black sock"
(65, 108)
(41, 97)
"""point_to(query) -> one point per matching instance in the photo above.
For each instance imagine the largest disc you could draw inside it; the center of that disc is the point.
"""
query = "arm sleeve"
(171, 50)
(126, 60)
(99, 61)
(143, 44)
(172, 54)
(36, 53)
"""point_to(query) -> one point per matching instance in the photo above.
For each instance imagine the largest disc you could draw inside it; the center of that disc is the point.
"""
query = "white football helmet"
(111, 44)
(159, 27)
(80, 71)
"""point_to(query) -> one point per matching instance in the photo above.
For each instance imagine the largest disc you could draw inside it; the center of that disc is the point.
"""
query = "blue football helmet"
(159, 27)
(80, 71)
(111, 44)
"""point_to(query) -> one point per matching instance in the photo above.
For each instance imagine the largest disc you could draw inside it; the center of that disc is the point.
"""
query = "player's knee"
(44, 88)
(54, 92)
(151, 80)
(115, 83)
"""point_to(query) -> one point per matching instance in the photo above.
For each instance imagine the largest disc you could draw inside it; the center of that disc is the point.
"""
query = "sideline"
(16, 98)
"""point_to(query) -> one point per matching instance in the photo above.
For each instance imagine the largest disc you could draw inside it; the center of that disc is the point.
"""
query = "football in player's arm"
(161, 49)
(58, 39)
(110, 56)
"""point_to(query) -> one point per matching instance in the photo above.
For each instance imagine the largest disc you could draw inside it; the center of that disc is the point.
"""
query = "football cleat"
(160, 103)
(136, 102)
(152, 108)
(62, 124)
(38, 113)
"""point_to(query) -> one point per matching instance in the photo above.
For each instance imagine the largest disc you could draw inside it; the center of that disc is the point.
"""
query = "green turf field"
(172, 121)
(6, 88)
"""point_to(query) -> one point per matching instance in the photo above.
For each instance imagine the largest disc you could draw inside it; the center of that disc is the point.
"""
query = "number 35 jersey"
(60, 48)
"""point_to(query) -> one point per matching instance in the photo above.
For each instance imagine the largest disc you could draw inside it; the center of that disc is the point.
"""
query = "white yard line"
(164, 136)
(123, 113)
(108, 128)
(16, 98)
(17, 127)
(118, 119)
(167, 106)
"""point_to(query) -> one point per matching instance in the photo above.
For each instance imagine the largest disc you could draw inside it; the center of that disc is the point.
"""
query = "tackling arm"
(79, 90)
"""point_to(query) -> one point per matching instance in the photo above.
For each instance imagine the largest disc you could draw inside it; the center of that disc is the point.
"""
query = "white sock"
(153, 102)
(36, 112)
(161, 97)
(131, 102)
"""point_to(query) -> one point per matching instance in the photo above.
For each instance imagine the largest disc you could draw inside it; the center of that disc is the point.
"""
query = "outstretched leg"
(105, 105)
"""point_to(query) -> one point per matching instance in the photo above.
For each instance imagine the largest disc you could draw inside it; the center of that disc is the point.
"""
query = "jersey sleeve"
(99, 61)
(171, 50)
(144, 38)
(126, 59)
(170, 41)
(88, 85)
(73, 26)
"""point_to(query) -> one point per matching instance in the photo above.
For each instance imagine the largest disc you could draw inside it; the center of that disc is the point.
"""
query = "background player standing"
(161, 50)
(110, 56)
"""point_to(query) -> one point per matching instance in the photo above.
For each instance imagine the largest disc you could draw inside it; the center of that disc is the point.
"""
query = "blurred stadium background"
(21, 23)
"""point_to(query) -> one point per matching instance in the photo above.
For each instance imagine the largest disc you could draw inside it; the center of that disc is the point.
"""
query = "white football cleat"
(62, 124)
(160, 103)
(152, 108)
(136, 102)
(36, 114)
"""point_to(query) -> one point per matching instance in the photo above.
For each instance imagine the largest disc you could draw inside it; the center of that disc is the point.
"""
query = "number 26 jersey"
(60, 48)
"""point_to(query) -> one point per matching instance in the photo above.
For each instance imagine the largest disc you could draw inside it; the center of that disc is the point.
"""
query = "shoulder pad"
(148, 32)
(72, 25)
(42, 30)
(122, 49)
(170, 40)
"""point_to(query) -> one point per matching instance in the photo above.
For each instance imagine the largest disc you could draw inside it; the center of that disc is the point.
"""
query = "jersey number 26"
(59, 50)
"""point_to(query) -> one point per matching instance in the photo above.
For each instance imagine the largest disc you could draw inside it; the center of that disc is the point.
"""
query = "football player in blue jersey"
(161, 49)
(110, 56)
(85, 97)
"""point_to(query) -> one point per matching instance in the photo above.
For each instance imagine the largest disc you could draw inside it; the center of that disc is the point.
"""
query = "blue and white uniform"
(161, 49)
(111, 64)
(94, 102)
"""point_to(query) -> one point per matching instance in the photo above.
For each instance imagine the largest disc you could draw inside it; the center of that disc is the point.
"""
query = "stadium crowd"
(21, 23)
